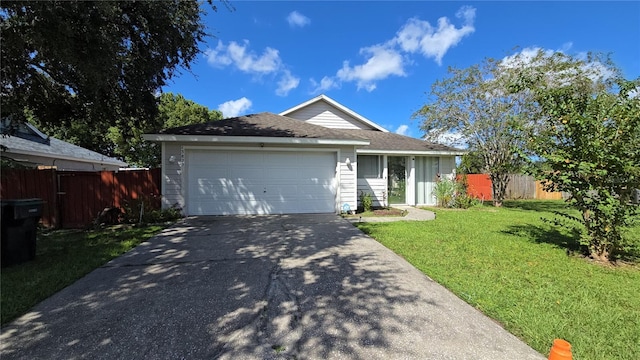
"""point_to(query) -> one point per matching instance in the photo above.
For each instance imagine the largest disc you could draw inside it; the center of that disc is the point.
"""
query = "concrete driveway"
(264, 287)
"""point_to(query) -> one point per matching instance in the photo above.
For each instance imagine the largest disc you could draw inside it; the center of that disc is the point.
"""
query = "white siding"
(172, 176)
(447, 166)
(376, 187)
(323, 114)
(347, 178)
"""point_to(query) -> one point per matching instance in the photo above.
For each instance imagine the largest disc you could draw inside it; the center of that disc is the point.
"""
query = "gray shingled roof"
(263, 124)
(386, 141)
(57, 148)
(271, 125)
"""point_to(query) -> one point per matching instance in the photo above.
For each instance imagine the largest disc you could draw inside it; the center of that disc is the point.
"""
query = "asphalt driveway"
(264, 287)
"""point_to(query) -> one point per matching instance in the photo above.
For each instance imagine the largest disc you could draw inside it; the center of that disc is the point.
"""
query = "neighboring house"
(313, 158)
(30, 147)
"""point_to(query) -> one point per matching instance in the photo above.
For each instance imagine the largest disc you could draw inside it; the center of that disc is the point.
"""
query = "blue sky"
(380, 58)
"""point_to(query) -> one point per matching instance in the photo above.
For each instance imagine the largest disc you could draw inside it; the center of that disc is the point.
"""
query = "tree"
(174, 110)
(93, 64)
(127, 143)
(475, 103)
(471, 163)
(589, 145)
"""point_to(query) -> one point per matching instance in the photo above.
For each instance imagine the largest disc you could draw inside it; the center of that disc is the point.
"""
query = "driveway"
(263, 287)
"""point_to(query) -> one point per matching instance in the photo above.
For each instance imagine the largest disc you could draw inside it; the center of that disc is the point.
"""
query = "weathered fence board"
(519, 187)
(74, 198)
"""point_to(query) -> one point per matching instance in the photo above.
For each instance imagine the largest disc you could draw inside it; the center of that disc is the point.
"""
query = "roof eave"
(253, 139)
(412, 152)
(65, 157)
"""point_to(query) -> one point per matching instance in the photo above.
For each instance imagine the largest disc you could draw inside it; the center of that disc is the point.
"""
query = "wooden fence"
(519, 187)
(73, 199)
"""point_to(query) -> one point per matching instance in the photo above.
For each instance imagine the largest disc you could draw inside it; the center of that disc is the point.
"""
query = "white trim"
(411, 152)
(252, 139)
(238, 148)
(337, 105)
(338, 204)
(64, 157)
(163, 177)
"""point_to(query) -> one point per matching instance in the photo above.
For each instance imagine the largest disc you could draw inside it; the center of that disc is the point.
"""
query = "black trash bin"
(19, 227)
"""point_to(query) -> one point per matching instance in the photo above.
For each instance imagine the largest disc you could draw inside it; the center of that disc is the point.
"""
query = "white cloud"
(297, 19)
(382, 62)
(326, 83)
(243, 59)
(389, 58)
(233, 108)
(419, 35)
(403, 130)
(287, 83)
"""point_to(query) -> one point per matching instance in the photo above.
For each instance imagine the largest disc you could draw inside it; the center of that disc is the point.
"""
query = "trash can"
(19, 227)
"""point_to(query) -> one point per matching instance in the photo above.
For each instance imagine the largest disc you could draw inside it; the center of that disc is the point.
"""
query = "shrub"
(451, 193)
(366, 200)
(444, 191)
(145, 210)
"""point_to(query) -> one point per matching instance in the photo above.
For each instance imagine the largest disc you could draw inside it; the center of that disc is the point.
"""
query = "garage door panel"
(252, 182)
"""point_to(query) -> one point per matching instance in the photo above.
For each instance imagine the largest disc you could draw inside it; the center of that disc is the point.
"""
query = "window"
(370, 166)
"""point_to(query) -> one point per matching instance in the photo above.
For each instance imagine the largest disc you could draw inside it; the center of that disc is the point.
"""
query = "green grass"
(530, 277)
(62, 257)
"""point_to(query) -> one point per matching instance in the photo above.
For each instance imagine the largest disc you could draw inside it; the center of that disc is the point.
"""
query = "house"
(30, 147)
(312, 158)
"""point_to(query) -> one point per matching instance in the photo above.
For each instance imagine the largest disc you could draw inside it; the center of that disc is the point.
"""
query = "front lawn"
(528, 276)
(62, 257)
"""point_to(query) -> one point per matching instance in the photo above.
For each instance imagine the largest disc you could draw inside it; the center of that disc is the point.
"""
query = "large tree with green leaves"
(93, 64)
(475, 103)
(173, 110)
(127, 143)
(589, 144)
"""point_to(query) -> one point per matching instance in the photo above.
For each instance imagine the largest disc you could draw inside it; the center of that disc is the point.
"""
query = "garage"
(260, 182)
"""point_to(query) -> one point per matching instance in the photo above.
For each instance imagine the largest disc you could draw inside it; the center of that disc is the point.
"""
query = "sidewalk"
(413, 214)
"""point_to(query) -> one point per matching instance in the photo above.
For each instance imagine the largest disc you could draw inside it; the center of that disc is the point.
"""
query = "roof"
(262, 125)
(30, 141)
(337, 105)
(387, 142)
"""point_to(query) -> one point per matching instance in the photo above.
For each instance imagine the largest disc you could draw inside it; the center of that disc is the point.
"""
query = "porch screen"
(370, 167)
(427, 169)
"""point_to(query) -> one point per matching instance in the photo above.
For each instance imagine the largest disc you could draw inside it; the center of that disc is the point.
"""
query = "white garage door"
(260, 182)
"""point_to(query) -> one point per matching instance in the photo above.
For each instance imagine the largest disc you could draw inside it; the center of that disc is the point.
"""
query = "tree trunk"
(499, 184)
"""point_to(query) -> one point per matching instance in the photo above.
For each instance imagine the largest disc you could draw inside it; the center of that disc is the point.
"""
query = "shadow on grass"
(548, 235)
(536, 205)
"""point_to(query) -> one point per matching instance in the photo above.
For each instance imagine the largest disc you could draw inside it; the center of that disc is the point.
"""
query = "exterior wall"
(63, 164)
(376, 187)
(347, 178)
(174, 177)
(448, 166)
(323, 114)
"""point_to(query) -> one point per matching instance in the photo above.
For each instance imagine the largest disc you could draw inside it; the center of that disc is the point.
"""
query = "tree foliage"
(475, 103)
(589, 144)
(174, 110)
(127, 143)
(92, 65)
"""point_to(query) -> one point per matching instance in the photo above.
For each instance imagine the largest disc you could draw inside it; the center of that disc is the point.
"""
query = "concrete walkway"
(413, 214)
(258, 287)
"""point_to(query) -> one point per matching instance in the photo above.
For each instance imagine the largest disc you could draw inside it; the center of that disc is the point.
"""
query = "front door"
(397, 179)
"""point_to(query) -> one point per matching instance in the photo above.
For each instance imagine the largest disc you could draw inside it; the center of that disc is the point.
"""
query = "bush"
(451, 193)
(366, 201)
(145, 210)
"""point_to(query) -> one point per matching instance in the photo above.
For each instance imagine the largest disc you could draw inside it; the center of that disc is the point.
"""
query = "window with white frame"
(370, 166)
